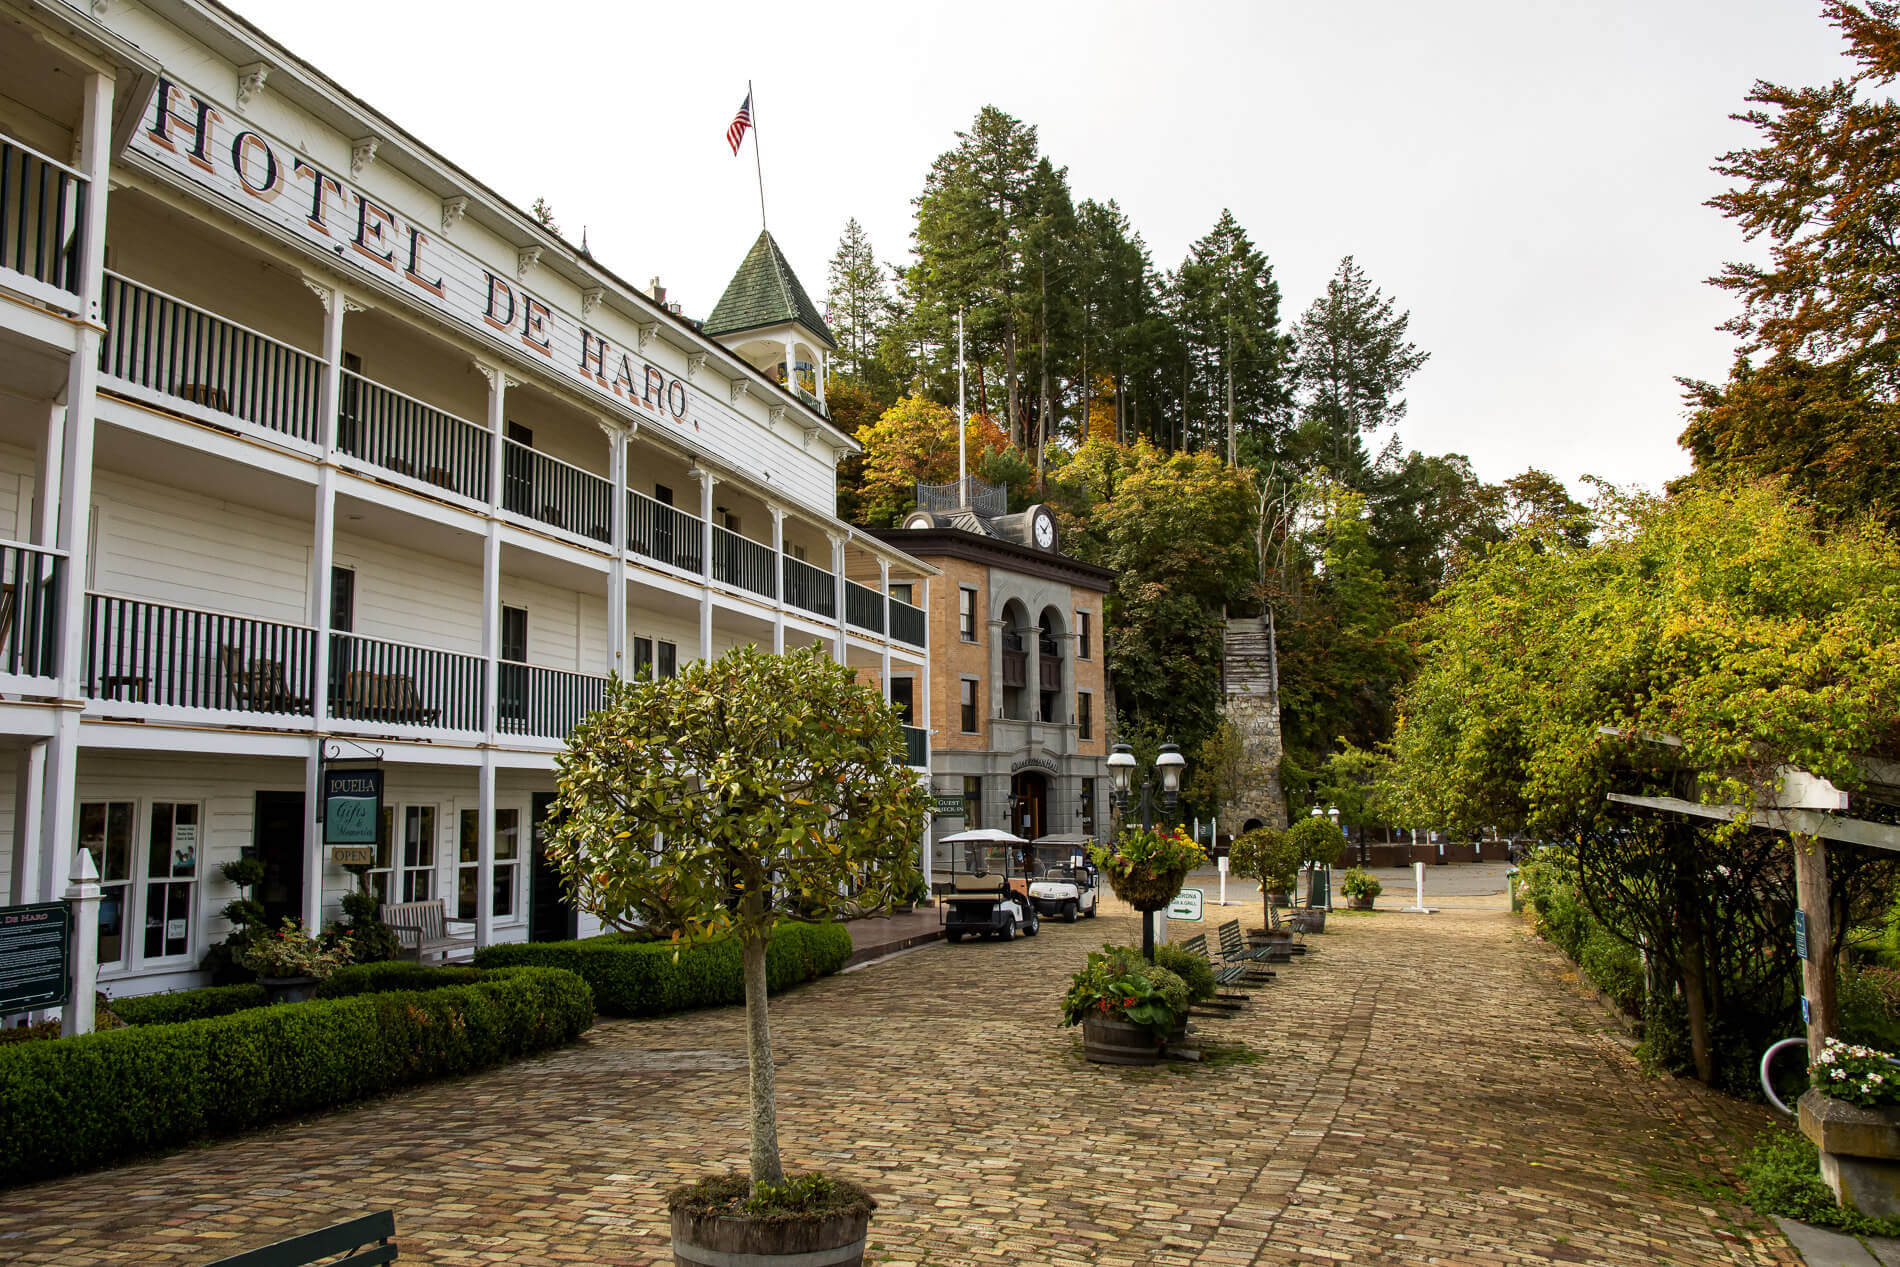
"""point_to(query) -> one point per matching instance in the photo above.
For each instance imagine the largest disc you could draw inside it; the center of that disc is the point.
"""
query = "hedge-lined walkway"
(1433, 1090)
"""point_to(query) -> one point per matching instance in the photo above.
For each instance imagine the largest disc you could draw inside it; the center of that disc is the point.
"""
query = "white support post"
(59, 832)
(617, 571)
(840, 649)
(322, 563)
(45, 527)
(705, 565)
(922, 694)
(82, 899)
(485, 850)
(498, 385)
(24, 882)
(312, 913)
(778, 561)
(884, 597)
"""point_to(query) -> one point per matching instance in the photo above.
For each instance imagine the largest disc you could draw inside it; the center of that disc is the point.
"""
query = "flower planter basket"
(288, 989)
(1119, 1043)
(1360, 903)
(718, 1240)
(1147, 890)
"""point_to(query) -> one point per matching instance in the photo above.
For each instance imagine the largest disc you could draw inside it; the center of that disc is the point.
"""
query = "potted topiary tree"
(1319, 843)
(1266, 855)
(742, 794)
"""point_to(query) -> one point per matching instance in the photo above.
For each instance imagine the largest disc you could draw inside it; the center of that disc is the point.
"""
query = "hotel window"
(105, 832)
(902, 592)
(972, 801)
(507, 863)
(969, 706)
(1082, 635)
(669, 660)
(1084, 715)
(642, 657)
(904, 699)
(171, 868)
(966, 612)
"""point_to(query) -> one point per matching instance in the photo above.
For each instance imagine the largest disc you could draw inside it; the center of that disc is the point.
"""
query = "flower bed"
(74, 1103)
(652, 978)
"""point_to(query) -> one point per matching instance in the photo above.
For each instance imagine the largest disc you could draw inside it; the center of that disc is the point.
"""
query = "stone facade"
(1250, 674)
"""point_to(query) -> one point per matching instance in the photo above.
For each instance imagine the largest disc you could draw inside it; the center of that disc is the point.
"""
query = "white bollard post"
(82, 899)
(1221, 862)
(1418, 879)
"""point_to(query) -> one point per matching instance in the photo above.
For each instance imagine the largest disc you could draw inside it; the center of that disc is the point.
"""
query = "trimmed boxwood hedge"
(74, 1103)
(651, 978)
(394, 974)
(189, 1005)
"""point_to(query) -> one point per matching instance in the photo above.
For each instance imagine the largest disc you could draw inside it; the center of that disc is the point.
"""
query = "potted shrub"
(738, 796)
(1127, 1007)
(289, 962)
(1267, 856)
(1319, 843)
(1360, 887)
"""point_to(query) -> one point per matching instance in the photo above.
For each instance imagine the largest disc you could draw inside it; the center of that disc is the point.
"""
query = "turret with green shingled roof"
(766, 292)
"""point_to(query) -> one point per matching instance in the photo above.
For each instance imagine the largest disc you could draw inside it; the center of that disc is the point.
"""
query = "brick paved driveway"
(1432, 1090)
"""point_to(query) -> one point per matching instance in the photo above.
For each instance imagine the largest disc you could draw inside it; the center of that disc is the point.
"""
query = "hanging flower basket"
(1146, 868)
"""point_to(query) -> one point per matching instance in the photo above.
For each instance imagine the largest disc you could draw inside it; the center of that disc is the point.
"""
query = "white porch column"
(922, 694)
(884, 596)
(705, 565)
(46, 478)
(617, 570)
(791, 367)
(839, 649)
(485, 849)
(322, 562)
(72, 507)
(24, 881)
(498, 385)
(778, 562)
(821, 374)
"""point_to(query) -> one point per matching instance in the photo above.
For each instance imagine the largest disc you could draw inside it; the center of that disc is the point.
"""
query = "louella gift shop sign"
(222, 153)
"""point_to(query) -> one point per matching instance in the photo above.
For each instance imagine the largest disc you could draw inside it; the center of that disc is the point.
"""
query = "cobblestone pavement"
(1427, 1090)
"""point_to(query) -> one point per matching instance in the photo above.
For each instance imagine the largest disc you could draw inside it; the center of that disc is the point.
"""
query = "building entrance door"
(1029, 804)
(277, 836)
(550, 918)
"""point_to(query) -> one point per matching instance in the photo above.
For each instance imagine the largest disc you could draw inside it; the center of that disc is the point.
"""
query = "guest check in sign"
(352, 815)
(34, 944)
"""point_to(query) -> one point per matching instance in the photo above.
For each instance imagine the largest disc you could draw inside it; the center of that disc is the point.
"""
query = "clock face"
(1046, 530)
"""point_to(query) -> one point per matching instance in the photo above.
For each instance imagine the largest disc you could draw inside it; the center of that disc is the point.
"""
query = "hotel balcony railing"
(182, 657)
(743, 562)
(907, 623)
(387, 429)
(29, 600)
(863, 607)
(664, 533)
(917, 747)
(397, 683)
(556, 493)
(547, 703)
(42, 220)
(810, 589)
(174, 349)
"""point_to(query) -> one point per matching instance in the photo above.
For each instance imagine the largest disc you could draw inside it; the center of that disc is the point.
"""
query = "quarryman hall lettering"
(190, 136)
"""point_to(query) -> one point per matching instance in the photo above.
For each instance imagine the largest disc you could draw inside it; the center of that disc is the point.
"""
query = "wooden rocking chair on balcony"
(260, 688)
(386, 697)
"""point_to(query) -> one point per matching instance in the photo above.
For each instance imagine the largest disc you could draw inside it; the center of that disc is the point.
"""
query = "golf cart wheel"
(1008, 931)
(1095, 909)
(1034, 925)
(954, 936)
(1068, 912)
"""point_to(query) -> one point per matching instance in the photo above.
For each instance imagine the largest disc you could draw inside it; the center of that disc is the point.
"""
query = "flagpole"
(963, 426)
(758, 165)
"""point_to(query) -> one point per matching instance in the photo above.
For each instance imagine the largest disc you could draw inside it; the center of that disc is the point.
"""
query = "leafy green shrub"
(1358, 882)
(1118, 984)
(73, 1103)
(189, 1005)
(1194, 970)
(1869, 1001)
(381, 978)
(1318, 840)
(633, 978)
(29, 1033)
(1615, 968)
(1782, 1176)
(1267, 855)
(371, 940)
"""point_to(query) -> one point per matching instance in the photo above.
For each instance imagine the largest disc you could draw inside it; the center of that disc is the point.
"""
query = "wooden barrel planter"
(1118, 1043)
(719, 1240)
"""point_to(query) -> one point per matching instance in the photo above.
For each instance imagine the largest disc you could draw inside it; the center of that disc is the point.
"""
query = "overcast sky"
(1526, 179)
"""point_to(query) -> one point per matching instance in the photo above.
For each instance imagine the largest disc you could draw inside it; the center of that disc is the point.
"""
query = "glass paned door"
(418, 853)
(105, 832)
(171, 866)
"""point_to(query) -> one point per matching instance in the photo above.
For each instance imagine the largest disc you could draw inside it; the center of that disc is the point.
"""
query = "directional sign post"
(1186, 905)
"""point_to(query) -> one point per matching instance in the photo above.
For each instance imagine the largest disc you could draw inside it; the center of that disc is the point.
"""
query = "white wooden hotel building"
(312, 446)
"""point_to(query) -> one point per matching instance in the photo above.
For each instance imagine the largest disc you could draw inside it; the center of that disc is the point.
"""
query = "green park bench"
(1225, 975)
(361, 1242)
(1235, 951)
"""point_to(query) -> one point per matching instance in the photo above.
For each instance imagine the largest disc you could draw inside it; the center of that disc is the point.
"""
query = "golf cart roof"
(982, 835)
(1061, 838)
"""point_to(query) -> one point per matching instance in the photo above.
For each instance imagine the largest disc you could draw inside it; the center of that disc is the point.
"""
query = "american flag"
(735, 135)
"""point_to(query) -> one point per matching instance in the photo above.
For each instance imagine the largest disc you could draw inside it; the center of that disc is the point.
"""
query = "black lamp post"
(1121, 769)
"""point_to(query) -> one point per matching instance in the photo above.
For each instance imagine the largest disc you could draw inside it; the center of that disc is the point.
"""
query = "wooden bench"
(422, 928)
(362, 1242)
(386, 697)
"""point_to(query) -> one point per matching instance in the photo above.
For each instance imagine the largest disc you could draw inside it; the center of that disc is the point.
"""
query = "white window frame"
(134, 898)
(194, 898)
(1085, 642)
(976, 704)
(507, 870)
(975, 623)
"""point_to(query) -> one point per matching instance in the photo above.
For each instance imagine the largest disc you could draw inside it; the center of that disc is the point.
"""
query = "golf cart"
(986, 898)
(1063, 883)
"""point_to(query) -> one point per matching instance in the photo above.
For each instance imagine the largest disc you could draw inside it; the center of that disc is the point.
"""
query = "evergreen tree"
(1237, 360)
(1354, 360)
(857, 302)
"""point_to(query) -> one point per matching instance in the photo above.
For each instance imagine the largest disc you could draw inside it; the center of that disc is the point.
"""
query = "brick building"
(1019, 705)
